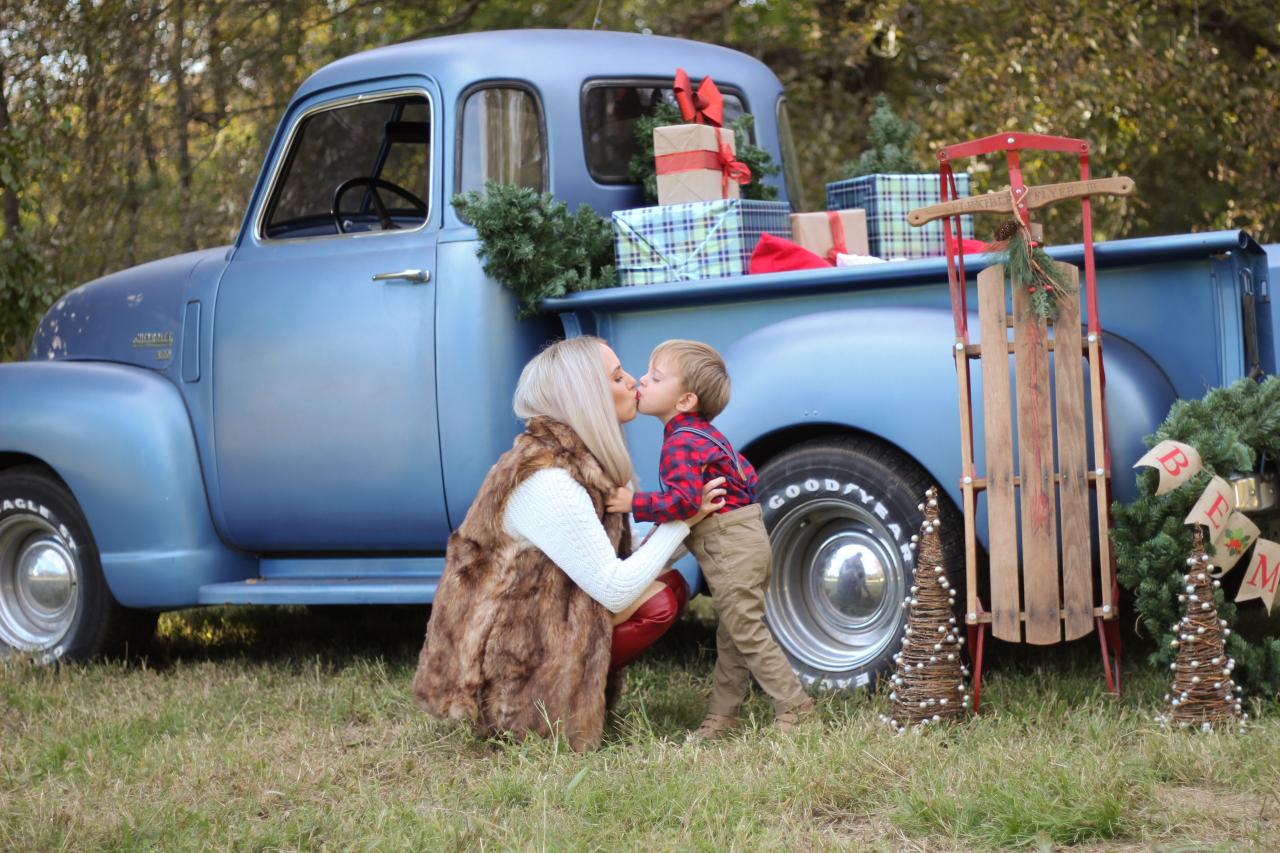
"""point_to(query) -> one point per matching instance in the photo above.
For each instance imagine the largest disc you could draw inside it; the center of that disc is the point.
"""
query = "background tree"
(131, 130)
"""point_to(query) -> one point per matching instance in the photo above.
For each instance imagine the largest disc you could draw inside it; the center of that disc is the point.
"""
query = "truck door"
(324, 371)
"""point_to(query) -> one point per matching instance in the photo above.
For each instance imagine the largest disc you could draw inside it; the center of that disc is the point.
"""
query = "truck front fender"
(121, 439)
(889, 372)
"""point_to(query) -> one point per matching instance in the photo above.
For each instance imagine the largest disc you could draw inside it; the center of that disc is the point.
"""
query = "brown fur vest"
(512, 642)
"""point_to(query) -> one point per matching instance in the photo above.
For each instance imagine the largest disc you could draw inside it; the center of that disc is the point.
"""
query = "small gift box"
(832, 232)
(687, 242)
(888, 199)
(695, 162)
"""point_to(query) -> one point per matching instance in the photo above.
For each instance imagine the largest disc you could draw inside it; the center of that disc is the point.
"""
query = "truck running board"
(321, 591)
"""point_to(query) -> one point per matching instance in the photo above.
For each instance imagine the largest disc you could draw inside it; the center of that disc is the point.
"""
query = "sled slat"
(1102, 461)
(1035, 468)
(1073, 467)
(968, 495)
(1002, 538)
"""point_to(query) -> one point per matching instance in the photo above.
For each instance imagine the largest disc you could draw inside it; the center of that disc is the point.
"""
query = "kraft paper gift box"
(817, 233)
(688, 163)
(888, 199)
(687, 242)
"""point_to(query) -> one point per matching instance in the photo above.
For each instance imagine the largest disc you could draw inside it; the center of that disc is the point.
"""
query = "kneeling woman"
(542, 602)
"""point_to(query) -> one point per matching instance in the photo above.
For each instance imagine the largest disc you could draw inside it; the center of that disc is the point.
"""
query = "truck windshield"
(609, 113)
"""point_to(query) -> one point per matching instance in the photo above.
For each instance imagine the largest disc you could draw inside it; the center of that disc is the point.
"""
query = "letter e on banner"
(1238, 534)
(1176, 462)
(1264, 571)
(1214, 507)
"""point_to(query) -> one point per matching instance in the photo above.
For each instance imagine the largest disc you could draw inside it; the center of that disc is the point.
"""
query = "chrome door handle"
(411, 276)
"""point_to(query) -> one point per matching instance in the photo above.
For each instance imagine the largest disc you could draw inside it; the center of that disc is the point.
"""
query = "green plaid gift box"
(687, 242)
(888, 199)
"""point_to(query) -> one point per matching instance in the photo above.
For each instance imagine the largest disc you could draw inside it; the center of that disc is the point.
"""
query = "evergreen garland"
(1231, 427)
(891, 140)
(533, 246)
(643, 170)
(1030, 266)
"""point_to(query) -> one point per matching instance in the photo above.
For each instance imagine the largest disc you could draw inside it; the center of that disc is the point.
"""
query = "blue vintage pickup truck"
(303, 416)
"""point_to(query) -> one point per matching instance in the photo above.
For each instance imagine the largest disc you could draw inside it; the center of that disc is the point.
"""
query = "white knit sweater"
(553, 512)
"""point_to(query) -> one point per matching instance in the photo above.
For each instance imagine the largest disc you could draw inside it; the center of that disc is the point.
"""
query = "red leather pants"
(650, 621)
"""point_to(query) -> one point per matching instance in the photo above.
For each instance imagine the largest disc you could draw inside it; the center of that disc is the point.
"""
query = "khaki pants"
(733, 550)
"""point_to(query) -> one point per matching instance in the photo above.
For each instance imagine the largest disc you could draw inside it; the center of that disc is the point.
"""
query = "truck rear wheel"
(841, 514)
(54, 601)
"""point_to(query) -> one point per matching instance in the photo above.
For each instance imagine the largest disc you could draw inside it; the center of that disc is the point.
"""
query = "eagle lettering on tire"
(54, 600)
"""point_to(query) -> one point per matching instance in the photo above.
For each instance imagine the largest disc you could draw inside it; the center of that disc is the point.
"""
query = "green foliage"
(891, 144)
(25, 293)
(1231, 428)
(642, 170)
(534, 246)
(1031, 267)
(127, 162)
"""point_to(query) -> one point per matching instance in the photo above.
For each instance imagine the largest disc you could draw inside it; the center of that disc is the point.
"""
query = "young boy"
(686, 387)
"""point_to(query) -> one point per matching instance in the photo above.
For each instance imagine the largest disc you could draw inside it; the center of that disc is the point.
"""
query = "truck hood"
(133, 316)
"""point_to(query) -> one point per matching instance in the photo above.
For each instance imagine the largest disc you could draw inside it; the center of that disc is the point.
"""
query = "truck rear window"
(609, 113)
(502, 139)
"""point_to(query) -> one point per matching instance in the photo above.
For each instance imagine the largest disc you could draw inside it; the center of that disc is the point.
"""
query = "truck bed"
(1181, 314)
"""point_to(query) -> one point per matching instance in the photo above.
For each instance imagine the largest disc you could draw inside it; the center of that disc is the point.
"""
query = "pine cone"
(1005, 230)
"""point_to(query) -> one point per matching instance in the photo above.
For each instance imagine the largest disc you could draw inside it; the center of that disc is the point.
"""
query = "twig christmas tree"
(1204, 693)
(929, 683)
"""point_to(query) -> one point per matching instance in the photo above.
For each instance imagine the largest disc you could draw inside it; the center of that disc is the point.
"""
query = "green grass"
(283, 729)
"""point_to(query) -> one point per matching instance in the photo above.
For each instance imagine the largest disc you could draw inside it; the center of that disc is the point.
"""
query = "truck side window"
(790, 162)
(502, 139)
(609, 113)
(340, 157)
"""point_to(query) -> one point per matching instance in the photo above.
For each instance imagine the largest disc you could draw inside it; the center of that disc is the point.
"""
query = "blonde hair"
(566, 382)
(701, 370)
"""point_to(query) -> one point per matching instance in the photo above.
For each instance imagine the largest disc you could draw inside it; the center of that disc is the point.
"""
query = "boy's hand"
(620, 500)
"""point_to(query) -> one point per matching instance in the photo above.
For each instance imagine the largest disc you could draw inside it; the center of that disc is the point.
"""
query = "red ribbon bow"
(731, 170)
(837, 237)
(706, 106)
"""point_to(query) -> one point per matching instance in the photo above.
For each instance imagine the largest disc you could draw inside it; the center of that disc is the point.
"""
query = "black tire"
(846, 509)
(54, 601)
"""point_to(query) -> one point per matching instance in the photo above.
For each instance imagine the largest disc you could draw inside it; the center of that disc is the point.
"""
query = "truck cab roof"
(559, 67)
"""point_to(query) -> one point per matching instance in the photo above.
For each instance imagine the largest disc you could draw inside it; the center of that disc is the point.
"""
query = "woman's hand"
(713, 492)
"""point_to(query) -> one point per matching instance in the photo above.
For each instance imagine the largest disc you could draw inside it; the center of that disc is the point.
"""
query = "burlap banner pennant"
(1217, 502)
(1176, 462)
(1238, 535)
(1264, 571)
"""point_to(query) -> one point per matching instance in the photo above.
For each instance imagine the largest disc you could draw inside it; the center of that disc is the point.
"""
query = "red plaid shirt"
(682, 473)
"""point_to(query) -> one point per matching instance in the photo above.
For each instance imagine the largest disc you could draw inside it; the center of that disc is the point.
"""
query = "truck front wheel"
(54, 601)
(841, 514)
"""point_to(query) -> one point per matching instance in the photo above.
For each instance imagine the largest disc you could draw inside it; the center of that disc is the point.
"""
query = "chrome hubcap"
(39, 584)
(838, 583)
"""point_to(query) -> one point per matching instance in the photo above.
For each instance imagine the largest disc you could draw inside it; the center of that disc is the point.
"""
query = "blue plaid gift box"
(888, 199)
(687, 242)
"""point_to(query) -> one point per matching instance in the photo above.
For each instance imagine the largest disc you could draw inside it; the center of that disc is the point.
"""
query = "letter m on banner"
(1260, 581)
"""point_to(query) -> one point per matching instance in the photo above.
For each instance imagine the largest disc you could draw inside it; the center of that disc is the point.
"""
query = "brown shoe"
(714, 727)
(798, 715)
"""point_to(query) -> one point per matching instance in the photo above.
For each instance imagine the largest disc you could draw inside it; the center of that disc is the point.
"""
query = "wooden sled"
(1040, 487)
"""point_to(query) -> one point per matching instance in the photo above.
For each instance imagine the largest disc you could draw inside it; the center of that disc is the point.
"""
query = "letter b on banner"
(1176, 462)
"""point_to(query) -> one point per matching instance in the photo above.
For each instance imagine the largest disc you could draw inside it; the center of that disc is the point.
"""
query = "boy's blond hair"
(701, 370)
